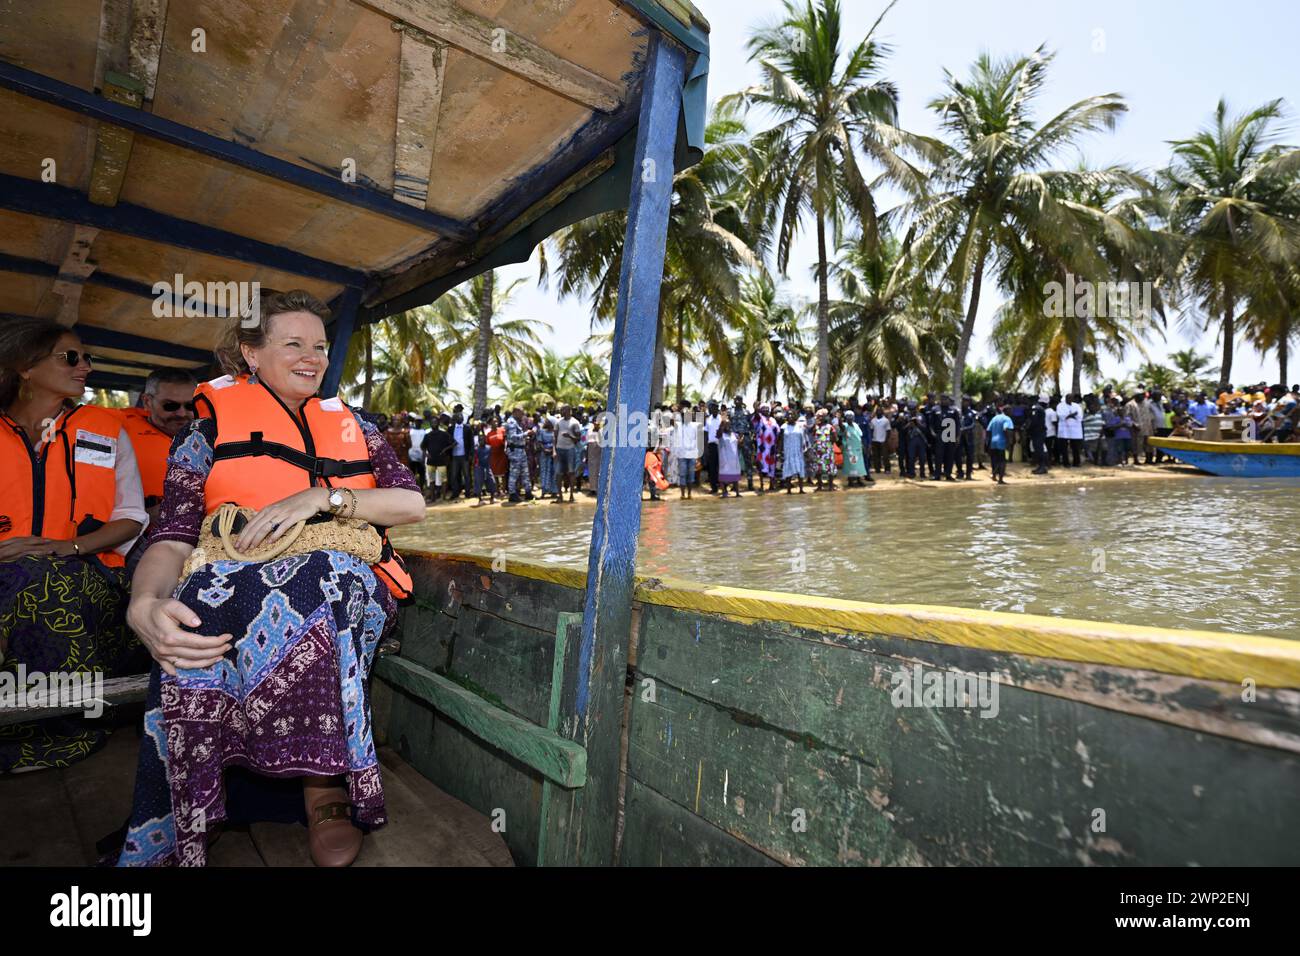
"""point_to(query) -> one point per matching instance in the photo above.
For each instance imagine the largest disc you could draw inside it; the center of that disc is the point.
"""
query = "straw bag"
(322, 532)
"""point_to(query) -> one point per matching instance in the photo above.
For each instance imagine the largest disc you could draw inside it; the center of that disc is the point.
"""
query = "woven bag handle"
(225, 522)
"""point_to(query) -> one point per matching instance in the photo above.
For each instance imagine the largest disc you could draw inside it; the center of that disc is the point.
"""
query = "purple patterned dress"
(290, 698)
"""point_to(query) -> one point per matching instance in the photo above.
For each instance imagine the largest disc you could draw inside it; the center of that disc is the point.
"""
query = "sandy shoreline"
(1018, 475)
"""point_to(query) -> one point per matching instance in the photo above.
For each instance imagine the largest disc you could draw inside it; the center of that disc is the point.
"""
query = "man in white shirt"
(1069, 430)
(712, 423)
(416, 455)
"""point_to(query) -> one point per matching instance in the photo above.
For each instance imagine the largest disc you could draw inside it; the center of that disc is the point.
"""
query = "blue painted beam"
(73, 98)
(37, 267)
(112, 339)
(113, 380)
(345, 322)
(601, 665)
(52, 201)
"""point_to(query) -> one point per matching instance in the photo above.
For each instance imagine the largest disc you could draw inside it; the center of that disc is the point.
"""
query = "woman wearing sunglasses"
(71, 505)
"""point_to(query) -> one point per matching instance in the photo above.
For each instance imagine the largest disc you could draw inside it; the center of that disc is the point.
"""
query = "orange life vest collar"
(69, 486)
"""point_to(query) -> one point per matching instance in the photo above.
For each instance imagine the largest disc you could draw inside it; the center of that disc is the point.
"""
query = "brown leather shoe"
(331, 837)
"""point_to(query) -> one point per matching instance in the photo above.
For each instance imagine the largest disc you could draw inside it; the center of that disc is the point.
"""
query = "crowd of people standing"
(553, 451)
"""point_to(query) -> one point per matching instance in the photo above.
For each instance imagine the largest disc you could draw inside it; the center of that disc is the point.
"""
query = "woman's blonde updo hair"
(270, 304)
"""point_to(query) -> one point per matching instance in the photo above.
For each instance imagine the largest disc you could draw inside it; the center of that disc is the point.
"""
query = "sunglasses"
(167, 405)
(74, 358)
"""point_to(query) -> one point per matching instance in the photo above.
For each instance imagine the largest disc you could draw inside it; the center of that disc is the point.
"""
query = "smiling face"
(54, 374)
(293, 360)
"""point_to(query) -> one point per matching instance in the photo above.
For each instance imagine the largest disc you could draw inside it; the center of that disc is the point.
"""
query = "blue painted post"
(600, 669)
(345, 322)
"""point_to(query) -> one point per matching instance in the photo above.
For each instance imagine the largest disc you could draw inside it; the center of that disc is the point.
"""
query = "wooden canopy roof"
(373, 152)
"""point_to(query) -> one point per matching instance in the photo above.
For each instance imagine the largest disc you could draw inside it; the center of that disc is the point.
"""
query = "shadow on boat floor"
(54, 818)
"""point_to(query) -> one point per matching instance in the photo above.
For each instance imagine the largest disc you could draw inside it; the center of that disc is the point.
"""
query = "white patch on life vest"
(224, 382)
(95, 449)
(331, 404)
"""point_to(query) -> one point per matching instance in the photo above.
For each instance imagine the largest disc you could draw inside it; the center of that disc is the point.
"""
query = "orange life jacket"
(66, 488)
(151, 448)
(656, 470)
(264, 453)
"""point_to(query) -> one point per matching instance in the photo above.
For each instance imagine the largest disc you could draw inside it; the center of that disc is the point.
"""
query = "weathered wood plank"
(486, 779)
(113, 143)
(943, 785)
(693, 650)
(660, 833)
(116, 692)
(551, 755)
(419, 101)
(482, 38)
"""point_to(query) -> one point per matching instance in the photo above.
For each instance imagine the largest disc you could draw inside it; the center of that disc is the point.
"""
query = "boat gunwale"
(1205, 655)
(1171, 443)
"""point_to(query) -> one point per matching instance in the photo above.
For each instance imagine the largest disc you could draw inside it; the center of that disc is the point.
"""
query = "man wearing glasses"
(166, 407)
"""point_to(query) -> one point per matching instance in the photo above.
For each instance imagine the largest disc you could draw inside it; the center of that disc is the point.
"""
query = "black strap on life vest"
(314, 465)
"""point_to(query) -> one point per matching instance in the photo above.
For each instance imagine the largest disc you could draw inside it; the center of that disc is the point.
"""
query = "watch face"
(336, 498)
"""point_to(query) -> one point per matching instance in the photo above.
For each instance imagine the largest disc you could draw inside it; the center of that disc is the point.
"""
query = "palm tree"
(703, 256)
(888, 323)
(1193, 368)
(1269, 319)
(993, 198)
(767, 342)
(806, 164)
(458, 324)
(408, 334)
(1235, 199)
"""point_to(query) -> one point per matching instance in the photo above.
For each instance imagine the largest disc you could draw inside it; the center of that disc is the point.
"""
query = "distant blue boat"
(1234, 459)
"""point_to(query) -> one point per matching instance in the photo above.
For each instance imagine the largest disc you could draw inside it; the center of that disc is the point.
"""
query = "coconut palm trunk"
(1283, 352)
(681, 348)
(823, 316)
(483, 348)
(1076, 380)
(1229, 332)
(369, 383)
(968, 326)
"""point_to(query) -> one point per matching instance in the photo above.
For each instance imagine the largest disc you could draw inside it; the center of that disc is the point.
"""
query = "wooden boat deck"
(54, 818)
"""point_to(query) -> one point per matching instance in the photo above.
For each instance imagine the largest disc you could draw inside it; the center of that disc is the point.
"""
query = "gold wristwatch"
(336, 501)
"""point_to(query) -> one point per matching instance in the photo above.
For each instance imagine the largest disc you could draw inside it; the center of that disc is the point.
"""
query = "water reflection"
(1214, 553)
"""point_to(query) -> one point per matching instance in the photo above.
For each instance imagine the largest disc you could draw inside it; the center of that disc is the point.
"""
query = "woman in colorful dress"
(823, 452)
(855, 462)
(497, 460)
(794, 447)
(765, 439)
(259, 693)
(71, 506)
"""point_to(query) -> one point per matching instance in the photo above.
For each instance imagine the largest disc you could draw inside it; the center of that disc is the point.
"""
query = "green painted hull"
(749, 741)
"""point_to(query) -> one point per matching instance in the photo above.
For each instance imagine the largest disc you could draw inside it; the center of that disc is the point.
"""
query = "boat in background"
(1234, 459)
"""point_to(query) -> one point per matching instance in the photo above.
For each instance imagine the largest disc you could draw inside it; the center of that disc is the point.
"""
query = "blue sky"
(1171, 60)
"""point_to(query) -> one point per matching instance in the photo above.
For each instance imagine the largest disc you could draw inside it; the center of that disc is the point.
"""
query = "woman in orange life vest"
(70, 508)
(264, 665)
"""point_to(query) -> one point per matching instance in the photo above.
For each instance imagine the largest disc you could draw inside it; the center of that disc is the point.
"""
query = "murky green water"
(1220, 554)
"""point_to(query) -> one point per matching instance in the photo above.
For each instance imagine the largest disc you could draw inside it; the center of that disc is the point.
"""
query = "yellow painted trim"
(1227, 447)
(1208, 655)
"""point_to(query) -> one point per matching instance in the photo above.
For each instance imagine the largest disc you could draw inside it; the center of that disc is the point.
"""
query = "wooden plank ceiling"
(452, 107)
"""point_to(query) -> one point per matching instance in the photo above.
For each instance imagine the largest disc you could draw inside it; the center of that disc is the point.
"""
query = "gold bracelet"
(352, 502)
